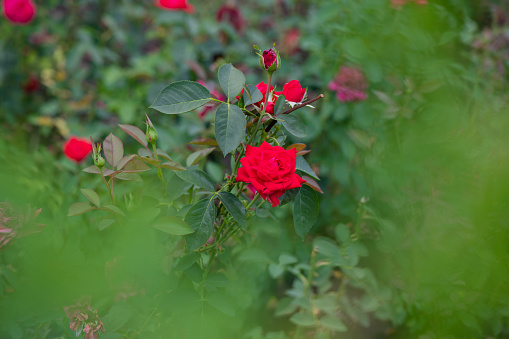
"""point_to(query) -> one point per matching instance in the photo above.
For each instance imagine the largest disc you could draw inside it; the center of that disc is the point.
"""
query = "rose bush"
(271, 170)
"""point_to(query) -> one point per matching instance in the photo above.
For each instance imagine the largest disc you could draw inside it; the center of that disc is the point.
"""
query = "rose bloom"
(175, 5)
(19, 11)
(271, 170)
(77, 149)
(293, 91)
(349, 84)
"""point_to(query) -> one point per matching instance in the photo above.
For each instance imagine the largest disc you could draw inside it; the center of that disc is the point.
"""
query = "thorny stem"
(252, 201)
(273, 122)
(264, 108)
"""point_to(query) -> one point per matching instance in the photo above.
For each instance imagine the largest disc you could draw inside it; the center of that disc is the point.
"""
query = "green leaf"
(255, 94)
(113, 149)
(103, 224)
(288, 196)
(231, 80)
(293, 125)
(173, 226)
(79, 208)
(234, 206)
(134, 166)
(230, 127)
(326, 248)
(129, 177)
(285, 307)
(92, 196)
(302, 165)
(198, 178)
(92, 169)
(333, 323)
(221, 303)
(303, 319)
(200, 217)
(197, 156)
(124, 161)
(187, 261)
(173, 165)
(136, 133)
(114, 209)
(305, 210)
(180, 97)
(280, 103)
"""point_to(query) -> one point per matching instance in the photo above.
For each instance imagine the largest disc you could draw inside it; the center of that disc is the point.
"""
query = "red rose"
(175, 5)
(19, 11)
(77, 149)
(271, 170)
(293, 91)
(262, 87)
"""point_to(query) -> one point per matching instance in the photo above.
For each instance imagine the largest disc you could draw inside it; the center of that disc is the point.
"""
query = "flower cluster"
(292, 90)
(19, 12)
(349, 84)
(83, 319)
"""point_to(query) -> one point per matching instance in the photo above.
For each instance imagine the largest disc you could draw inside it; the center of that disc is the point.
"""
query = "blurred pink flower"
(175, 5)
(399, 3)
(349, 84)
(19, 12)
(13, 223)
(291, 41)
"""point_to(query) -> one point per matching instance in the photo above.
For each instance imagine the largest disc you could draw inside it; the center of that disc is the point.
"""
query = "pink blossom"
(349, 84)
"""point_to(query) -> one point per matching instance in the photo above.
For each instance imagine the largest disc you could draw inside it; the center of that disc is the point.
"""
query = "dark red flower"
(271, 170)
(77, 149)
(175, 5)
(231, 14)
(269, 57)
(293, 91)
(19, 11)
(32, 84)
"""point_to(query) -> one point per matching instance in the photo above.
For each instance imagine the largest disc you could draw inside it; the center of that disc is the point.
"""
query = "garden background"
(413, 231)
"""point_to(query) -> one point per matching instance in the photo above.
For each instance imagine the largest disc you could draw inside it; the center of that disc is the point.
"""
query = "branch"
(273, 122)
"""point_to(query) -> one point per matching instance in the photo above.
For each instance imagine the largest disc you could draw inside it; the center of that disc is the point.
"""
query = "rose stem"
(273, 122)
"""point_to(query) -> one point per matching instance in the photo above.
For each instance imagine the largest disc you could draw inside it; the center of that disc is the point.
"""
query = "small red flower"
(175, 5)
(269, 57)
(19, 12)
(293, 91)
(77, 149)
(271, 170)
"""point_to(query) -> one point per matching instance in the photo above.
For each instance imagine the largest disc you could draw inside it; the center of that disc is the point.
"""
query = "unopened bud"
(99, 161)
(151, 135)
(270, 60)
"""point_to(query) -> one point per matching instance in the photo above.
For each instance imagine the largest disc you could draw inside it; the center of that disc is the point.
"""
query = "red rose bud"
(293, 91)
(151, 134)
(270, 60)
(19, 12)
(271, 170)
(175, 5)
(77, 149)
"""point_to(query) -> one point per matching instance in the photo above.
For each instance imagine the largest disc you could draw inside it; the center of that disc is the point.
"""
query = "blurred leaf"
(326, 247)
(113, 209)
(116, 317)
(333, 323)
(285, 306)
(103, 224)
(230, 127)
(216, 280)
(275, 270)
(173, 226)
(196, 157)
(180, 97)
(198, 178)
(286, 259)
(231, 80)
(187, 261)
(136, 133)
(129, 177)
(342, 233)
(124, 161)
(204, 142)
(79, 208)
(298, 147)
(134, 166)
(200, 217)
(222, 303)
(255, 93)
(173, 166)
(113, 149)
(92, 196)
(305, 210)
(303, 319)
(302, 165)
(280, 104)
(234, 206)
(293, 125)
(254, 255)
